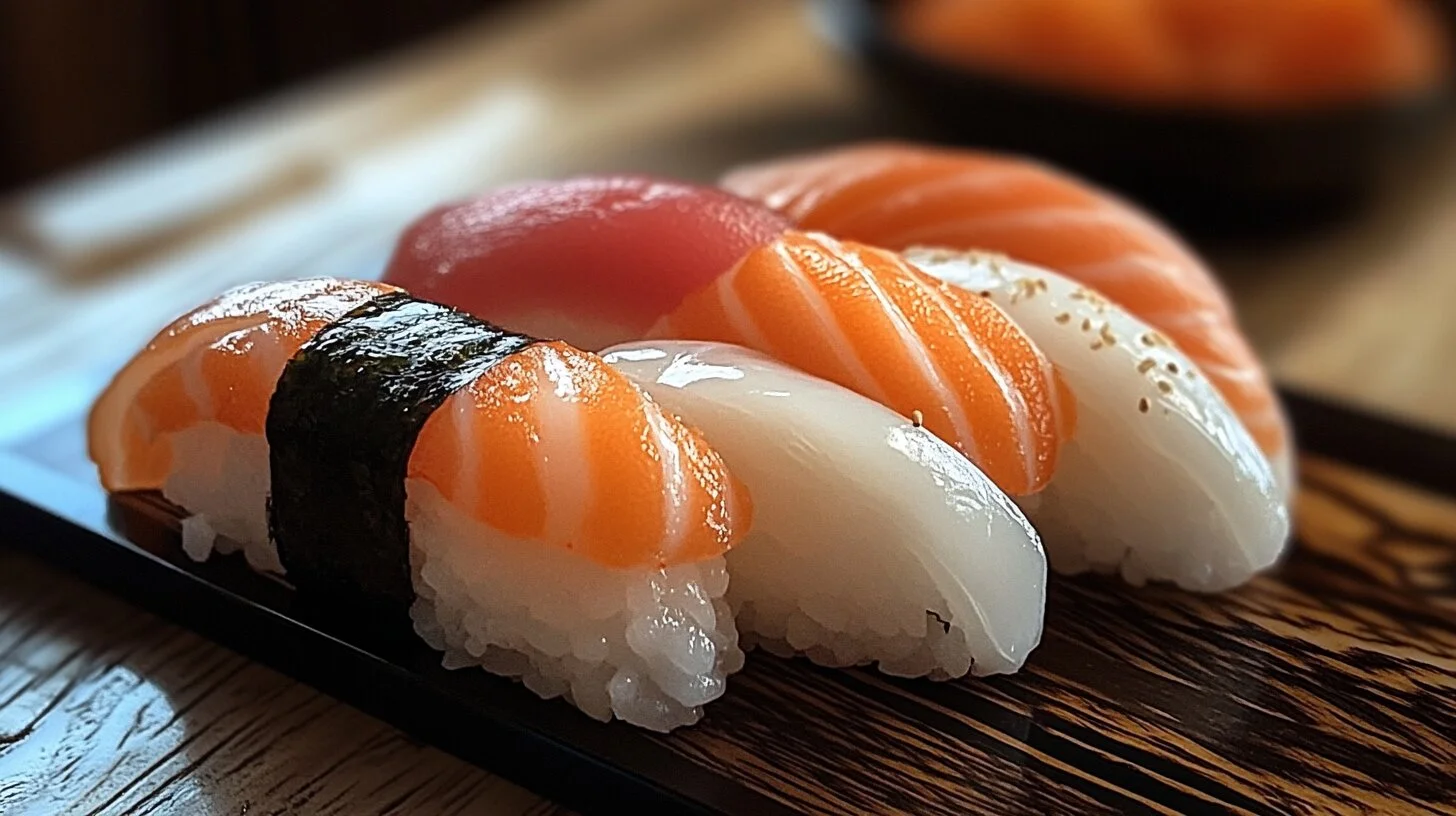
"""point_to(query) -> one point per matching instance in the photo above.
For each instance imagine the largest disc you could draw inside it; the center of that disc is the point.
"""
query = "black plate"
(791, 734)
(1206, 171)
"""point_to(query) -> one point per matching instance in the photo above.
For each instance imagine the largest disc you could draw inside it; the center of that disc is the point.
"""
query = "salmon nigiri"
(864, 319)
(898, 196)
(534, 511)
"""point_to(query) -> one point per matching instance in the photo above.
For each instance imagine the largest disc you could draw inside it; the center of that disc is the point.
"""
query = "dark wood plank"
(1325, 686)
(163, 721)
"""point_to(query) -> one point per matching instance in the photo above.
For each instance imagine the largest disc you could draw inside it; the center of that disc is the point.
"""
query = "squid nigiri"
(872, 540)
(864, 319)
(896, 195)
(1161, 481)
(620, 251)
(527, 507)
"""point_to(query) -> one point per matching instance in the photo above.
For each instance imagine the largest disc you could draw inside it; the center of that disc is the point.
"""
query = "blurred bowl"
(1204, 169)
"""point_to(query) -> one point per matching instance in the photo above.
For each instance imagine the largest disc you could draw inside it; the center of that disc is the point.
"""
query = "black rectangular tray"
(1325, 685)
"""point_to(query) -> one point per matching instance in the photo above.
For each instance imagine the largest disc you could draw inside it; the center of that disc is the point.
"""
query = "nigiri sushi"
(1161, 481)
(523, 503)
(872, 540)
(605, 259)
(898, 195)
(864, 319)
(621, 252)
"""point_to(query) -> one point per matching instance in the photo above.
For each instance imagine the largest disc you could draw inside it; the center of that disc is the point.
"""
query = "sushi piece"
(592, 260)
(896, 196)
(1161, 481)
(864, 319)
(526, 506)
(872, 540)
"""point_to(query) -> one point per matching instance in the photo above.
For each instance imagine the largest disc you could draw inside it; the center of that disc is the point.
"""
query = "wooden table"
(104, 708)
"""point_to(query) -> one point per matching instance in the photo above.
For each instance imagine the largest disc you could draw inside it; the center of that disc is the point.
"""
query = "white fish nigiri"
(873, 540)
(1160, 481)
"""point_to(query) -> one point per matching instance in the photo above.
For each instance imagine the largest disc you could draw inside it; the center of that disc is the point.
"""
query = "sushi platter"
(1304, 687)
(891, 478)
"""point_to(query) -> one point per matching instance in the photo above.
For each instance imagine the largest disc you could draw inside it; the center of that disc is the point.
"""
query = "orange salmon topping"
(898, 196)
(863, 318)
(554, 445)
(217, 363)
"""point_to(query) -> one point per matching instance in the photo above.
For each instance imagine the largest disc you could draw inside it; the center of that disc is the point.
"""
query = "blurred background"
(81, 79)
(156, 152)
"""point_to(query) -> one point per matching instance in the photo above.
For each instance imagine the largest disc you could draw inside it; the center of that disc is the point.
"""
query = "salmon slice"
(863, 318)
(580, 457)
(217, 363)
(898, 196)
(549, 445)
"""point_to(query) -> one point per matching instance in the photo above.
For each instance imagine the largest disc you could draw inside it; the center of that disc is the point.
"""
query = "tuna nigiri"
(533, 511)
(864, 319)
(591, 260)
(872, 540)
(896, 196)
(1161, 481)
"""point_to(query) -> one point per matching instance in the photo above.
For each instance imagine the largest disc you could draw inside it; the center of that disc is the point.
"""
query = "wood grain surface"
(319, 181)
(1327, 686)
(105, 709)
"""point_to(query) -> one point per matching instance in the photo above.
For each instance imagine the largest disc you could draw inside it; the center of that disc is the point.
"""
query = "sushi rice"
(649, 646)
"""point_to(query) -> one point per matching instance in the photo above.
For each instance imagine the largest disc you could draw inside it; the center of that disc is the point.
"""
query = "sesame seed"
(1144, 405)
(1064, 317)
(1172, 368)
(1096, 344)
(985, 293)
(1165, 386)
(1086, 324)
(1147, 365)
(917, 418)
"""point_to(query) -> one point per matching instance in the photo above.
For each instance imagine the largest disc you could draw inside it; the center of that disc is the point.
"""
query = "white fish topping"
(873, 540)
(1161, 479)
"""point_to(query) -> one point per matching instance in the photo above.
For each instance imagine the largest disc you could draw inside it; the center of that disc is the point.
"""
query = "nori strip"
(341, 426)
